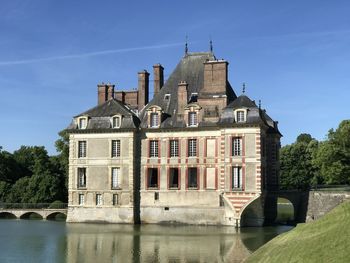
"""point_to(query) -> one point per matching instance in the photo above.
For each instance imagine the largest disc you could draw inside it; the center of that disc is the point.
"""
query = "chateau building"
(196, 153)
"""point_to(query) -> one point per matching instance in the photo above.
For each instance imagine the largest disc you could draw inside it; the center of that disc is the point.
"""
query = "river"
(53, 241)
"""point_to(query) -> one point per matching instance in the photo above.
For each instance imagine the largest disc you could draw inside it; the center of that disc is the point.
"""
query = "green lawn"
(324, 240)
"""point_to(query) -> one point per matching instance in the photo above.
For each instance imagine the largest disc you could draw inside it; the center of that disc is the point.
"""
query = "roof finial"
(259, 104)
(243, 88)
(186, 47)
(211, 45)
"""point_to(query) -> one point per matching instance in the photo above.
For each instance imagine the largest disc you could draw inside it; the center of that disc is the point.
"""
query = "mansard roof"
(242, 102)
(191, 70)
(99, 117)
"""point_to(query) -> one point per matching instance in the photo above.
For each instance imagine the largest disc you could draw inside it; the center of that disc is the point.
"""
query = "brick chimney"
(181, 98)
(215, 77)
(143, 89)
(158, 72)
(105, 92)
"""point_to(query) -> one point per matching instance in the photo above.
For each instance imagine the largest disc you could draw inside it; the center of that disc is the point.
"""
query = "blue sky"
(293, 55)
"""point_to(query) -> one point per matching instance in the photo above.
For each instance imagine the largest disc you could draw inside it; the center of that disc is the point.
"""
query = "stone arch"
(27, 215)
(252, 213)
(52, 216)
(7, 215)
(285, 210)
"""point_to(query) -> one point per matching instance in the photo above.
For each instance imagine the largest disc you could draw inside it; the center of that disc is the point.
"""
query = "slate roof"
(191, 70)
(99, 117)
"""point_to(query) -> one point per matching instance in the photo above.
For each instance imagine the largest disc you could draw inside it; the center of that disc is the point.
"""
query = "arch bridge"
(24, 211)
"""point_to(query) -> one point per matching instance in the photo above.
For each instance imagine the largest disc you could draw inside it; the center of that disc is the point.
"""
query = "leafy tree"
(10, 171)
(62, 146)
(297, 170)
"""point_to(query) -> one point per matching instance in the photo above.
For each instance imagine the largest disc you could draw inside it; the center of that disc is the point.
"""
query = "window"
(240, 116)
(154, 119)
(115, 199)
(192, 147)
(115, 148)
(153, 148)
(237, 146)
(167, 96)
(192, 179)
(115, 177)
(81, 149)
(237, 178)
(174, 148)
(98, 199)
(81, 199)
(152, 178)
(81, 177)
(116, 122)
(174, 178)
(192, 119)
(82, 123)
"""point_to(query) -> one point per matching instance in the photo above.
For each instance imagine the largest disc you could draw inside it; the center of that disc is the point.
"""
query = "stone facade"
(195, 154)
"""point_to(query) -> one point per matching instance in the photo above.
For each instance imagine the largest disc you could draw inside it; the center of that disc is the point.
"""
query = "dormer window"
(82, 123)
(116, 122)
(192, 119)
(154, 120)
(240, 116)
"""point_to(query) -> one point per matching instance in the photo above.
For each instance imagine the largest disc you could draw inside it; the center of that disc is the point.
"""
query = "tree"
(297, 170)
(333, 155)
(62, 146)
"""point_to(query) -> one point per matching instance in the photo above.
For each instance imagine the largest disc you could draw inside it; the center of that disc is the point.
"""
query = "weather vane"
(243, 88)
(186, 47)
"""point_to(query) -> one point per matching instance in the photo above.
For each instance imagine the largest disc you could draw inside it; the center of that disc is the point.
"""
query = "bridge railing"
(33, 205)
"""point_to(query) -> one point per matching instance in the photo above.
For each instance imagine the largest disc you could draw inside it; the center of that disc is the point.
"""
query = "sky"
(294, 56)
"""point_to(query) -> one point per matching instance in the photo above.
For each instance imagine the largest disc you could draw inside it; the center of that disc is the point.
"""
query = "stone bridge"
(308, 205)
(24, 211)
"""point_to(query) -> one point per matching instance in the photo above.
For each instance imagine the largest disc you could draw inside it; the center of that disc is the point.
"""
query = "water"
(50, 241)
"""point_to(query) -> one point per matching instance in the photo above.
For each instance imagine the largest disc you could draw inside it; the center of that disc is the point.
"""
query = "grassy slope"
(324, 240)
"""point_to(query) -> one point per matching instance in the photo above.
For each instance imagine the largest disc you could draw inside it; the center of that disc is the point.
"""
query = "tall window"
(81, 149)
(237, 146)
(192, 119)
(153, 148)
(115, 148)
(174, 148)
(192, 147)
(116, 122)
(174, 178)
(116, 177)
(152, 178)
(192, 179)
(82, 123)
(98, 199)
(81, 177)
(240, 116)
(237, 178)
(154, 119)
(81, 199)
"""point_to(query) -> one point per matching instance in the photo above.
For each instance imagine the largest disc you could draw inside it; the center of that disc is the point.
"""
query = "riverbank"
(323, 240)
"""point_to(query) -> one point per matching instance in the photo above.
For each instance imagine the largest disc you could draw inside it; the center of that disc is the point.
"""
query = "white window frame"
(154, 119)
(237, 146)
(192, 147)
(82, 125)
(81, 177)
(153, 148)
(174, 148)
(81, 199)
(116, 177)
(241, 115)
(192, 119)
(115, 148)
(82, 149)
(99, 199)
(116, 125)
(237, 178)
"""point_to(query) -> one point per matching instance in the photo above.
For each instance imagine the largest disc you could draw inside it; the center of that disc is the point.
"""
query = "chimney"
(120, 95)
(143, 88)
(105, 92)
(215, 77)
(158, 72)
(181, 98)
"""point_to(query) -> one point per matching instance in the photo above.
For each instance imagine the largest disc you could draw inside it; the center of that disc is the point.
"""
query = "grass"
(324, 240)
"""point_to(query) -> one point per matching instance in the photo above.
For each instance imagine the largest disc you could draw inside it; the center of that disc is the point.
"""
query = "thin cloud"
(85, 55)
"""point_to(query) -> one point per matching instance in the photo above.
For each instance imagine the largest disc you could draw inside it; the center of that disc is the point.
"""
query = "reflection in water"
(47, 241)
